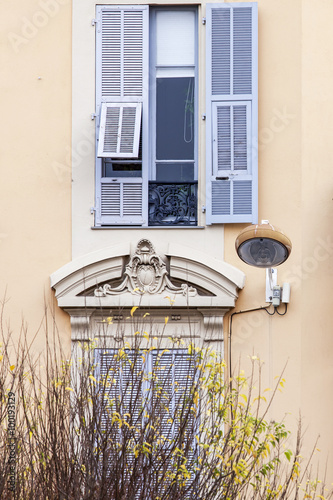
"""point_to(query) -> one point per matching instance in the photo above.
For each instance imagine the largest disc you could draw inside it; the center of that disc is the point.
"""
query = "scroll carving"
(145, 273)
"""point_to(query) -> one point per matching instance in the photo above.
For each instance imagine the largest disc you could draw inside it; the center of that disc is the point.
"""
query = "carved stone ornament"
(145, 273)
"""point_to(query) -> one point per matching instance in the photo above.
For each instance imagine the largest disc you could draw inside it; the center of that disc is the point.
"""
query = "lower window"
(148, 418)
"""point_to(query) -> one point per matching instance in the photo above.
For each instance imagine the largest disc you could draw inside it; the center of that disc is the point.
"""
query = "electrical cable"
(261, 308)
(282, 314)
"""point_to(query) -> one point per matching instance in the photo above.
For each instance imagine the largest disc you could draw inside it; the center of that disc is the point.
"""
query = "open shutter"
(121, 101)
(232, 122)
(119, 131)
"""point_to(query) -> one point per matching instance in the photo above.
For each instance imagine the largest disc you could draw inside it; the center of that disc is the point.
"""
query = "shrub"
(139, 421)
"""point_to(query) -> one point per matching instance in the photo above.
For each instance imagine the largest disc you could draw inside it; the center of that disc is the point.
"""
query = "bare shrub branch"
(128, 418)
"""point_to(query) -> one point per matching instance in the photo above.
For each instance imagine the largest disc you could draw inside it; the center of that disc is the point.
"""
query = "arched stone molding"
(117, 277)
(79, 275)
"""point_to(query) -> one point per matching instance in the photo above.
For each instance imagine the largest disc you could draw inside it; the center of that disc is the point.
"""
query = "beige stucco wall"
(317, 218)
(295, 192)
(38, 235)
(35, 96)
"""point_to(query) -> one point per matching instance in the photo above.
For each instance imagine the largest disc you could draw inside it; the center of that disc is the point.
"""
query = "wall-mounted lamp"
(265, 246)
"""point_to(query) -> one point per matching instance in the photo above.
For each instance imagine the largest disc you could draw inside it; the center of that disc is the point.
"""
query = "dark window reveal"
(175, 118)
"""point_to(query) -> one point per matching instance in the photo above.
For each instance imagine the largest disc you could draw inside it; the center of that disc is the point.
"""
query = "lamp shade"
(263, 245)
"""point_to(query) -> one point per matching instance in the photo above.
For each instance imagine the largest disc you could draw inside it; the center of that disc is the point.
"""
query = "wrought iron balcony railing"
(173, 204)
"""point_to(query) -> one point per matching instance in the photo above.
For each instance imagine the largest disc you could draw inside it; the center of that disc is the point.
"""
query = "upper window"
(147, 115)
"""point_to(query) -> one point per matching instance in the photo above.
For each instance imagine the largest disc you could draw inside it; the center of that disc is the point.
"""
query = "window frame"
(153, 85)
(170, 429)
(242, 196)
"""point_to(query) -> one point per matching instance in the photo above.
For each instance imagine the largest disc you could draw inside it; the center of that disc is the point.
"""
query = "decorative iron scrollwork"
(173, 204)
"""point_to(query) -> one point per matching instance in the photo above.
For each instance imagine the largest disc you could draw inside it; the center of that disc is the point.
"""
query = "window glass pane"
(175, 37)
(168, 72)
(175, 119)
(175, 172)
(121, 169)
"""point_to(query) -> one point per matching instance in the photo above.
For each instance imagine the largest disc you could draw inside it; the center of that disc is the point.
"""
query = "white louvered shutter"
(132, 388)
(107, 374)
(175, 370)
(121, 390)
(162, 395)
(119, 131)
(120, 201)
(121, 102)
(121, 33)
(124, 390)
(232, 122)
(176, 374)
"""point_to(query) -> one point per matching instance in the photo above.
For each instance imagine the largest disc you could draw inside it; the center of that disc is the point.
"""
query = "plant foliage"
(136, 420)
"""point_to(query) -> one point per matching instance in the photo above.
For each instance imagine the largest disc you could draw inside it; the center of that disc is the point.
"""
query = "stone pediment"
(146, 273)
(119, 277)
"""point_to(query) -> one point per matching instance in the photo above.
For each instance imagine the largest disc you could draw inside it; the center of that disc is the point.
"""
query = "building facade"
(139, 139)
